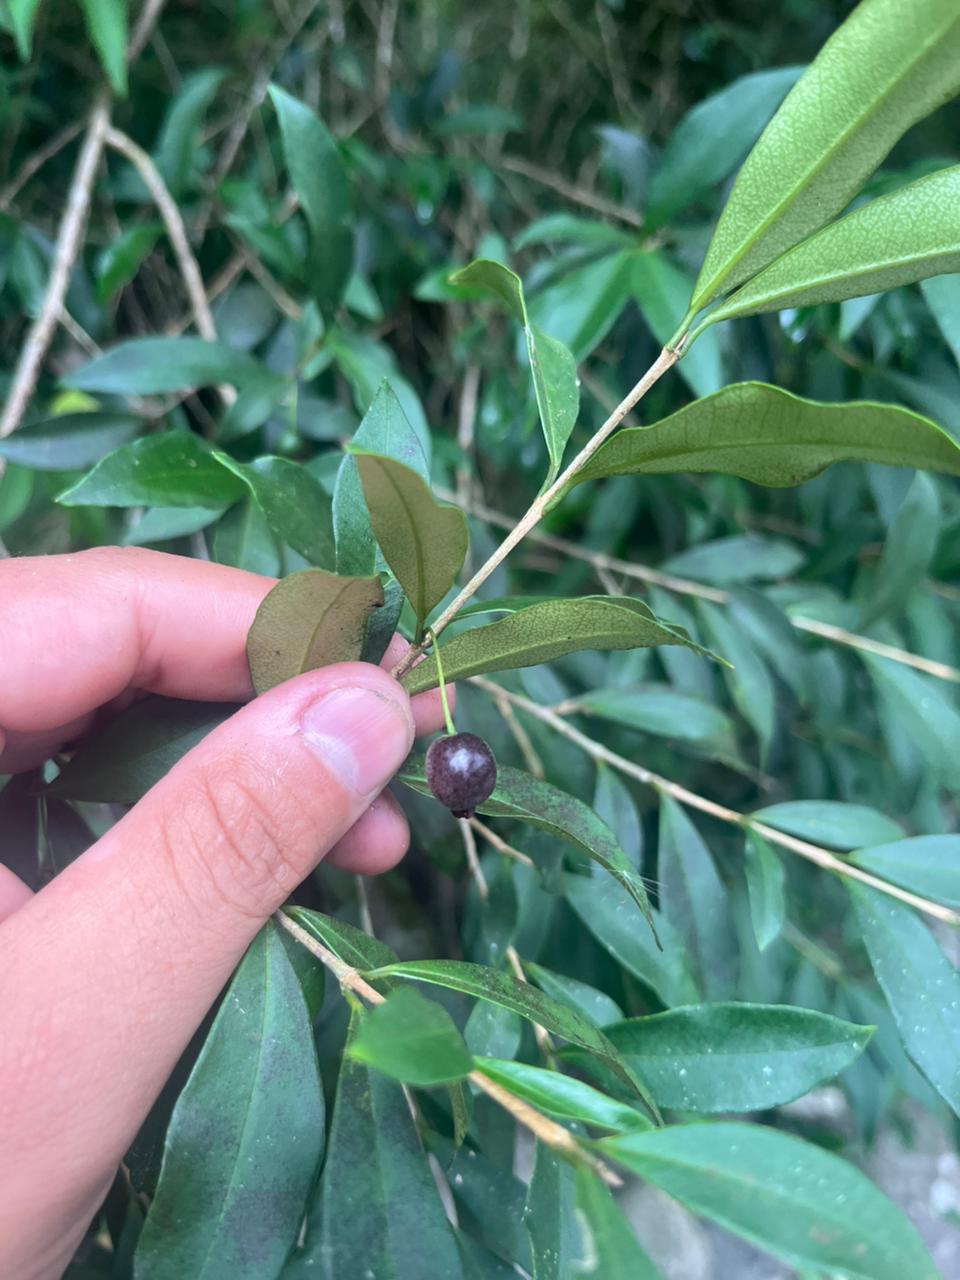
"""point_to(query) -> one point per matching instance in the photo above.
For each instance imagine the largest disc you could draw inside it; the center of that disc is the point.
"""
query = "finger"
(76, 630)
(375, 843)
(111, 967)
(13, 893)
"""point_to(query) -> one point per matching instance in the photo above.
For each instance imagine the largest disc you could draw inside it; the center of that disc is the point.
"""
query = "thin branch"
(604, 563)
(540, 1033)
(69, 239)
(550, 1133)
(473, 861)
(38, 159)
(666, 360)
(144, 25)
(521, 738)
(192, 279)
(579, 195)
(497, 842)
(811, 852)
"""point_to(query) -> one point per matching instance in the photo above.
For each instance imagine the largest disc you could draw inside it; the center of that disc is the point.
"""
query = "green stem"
(447, 717)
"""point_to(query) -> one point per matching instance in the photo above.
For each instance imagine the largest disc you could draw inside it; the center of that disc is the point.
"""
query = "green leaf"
(529, 799)
(376, 1210)
(742, 557)
(770, 437)
(582, 306)
(160, 524)
(175, 469)
(152, 366)
(22, 15)
(737, 1057)
(608, 1246)
(892, 241)
(562, 1096)
(499, 988)
(712, 139)
(800, 1203)
(135, 750)
(320, 181)
(178, 144)
(309, 619)
(942, 296)
(386, 431)
(921, 986)
(423, 541)
(552, 365)
(411, 1039)
(765, 887)
(662, 290)
(352, 945)
(248, 1122)
(295, 505)
(244, 540)
(830, 822)
(922, 709)
(907, 553)
(747, 679)
(119, 262)
(548, 630)
(594, 1004)
(72, 440)
(549, 1217)
(107, 28)
(568, 228)
(883, 70)
(661, 710)
(606, 910)
(928, 865)
(694, 900)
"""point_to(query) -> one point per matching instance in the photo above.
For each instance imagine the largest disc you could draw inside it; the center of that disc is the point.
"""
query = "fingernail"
(361, 736)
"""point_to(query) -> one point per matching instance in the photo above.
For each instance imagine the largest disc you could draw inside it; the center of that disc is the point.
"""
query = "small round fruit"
(461, 772)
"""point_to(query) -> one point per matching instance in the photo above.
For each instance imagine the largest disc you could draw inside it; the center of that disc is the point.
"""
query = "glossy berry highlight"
(461, 772)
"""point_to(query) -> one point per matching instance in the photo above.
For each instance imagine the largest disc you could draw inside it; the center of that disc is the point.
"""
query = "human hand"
(108, 971)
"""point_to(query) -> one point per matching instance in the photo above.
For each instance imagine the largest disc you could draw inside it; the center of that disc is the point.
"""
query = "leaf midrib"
(788, 200)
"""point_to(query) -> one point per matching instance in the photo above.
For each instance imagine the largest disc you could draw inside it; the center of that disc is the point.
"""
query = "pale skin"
(106, 973)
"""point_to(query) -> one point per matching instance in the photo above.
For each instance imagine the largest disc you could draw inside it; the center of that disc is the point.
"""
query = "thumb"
(111, 968)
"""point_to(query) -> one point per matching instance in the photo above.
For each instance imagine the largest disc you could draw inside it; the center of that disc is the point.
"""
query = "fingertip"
(376, 843)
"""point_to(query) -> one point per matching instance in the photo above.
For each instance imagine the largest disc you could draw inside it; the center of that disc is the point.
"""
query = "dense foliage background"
(540, 133)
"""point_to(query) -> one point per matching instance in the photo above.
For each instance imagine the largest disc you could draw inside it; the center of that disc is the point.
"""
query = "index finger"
(77, 630)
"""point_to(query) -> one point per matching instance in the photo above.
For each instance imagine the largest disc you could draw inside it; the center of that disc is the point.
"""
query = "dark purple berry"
(461, 772)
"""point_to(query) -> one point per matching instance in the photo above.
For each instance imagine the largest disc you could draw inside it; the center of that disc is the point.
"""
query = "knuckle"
(240, 837)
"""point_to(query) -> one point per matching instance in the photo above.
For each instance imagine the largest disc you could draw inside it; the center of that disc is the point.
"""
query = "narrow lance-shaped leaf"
(294, 504)
(503, 989)
(107, 27)
(894, 240)
(175, 469)
(552, 365)
(69, 441)
(765, 887)
(309, 619)
(921, 986)
(424, 542)
(889, 65)
(251, 1115)
(562, 1096)
(358, 949)
(608, 1246)
(386, 431)
(375, 1210)
(320, 181)
(929, 865)
(152, 366)
(411, 1039)
(712, 139)
(771, 437)
(791, 1198)
(520, 795)
(736, 1057)
(549, 630)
